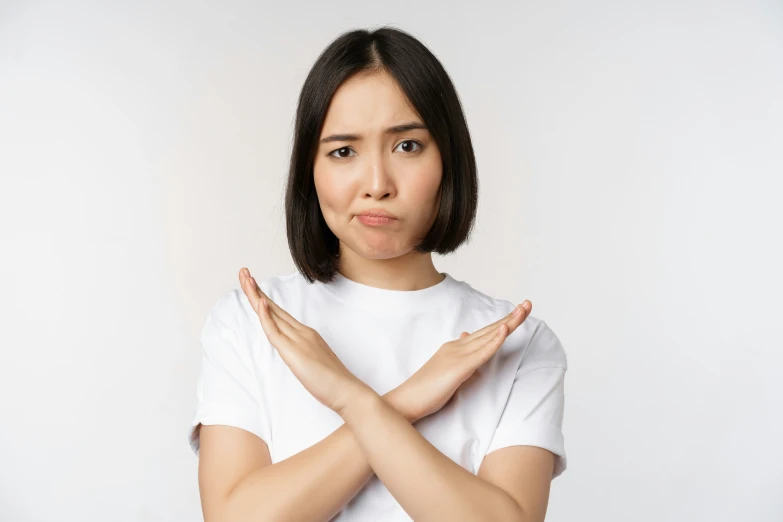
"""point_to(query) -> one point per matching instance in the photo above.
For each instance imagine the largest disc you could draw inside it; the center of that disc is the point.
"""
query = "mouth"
(377, 213)
(374, 218)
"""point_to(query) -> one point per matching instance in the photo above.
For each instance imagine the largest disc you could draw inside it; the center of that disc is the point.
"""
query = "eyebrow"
(391, 130)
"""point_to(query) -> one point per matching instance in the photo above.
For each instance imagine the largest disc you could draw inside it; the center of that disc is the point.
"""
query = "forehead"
(368, 103)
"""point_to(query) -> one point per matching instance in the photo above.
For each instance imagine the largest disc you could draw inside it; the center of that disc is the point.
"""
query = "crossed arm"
(238, 482)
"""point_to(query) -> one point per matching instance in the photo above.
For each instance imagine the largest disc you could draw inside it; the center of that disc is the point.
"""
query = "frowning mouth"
(376, 217)
(376, 212)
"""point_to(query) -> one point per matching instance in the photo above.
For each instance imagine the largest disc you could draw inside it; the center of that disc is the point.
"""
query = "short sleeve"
(533, 415)
(228, 390)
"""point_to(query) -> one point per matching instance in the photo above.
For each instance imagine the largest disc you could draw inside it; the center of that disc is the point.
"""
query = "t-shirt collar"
(395, 301)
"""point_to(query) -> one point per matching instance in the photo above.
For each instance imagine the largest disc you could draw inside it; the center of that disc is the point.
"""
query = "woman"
(311, 383)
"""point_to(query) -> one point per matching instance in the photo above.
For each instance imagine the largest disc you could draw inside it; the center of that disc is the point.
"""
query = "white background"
(630, 159)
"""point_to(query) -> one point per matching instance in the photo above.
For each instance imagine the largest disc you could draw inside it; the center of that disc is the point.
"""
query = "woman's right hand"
(431, 387)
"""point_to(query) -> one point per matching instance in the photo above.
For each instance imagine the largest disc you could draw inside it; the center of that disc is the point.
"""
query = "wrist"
(362, 401)
(397, 399)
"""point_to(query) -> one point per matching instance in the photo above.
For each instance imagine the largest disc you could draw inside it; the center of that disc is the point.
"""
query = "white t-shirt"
(382, 336)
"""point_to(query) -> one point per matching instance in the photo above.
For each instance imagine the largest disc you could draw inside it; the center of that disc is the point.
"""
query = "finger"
(277, 309)
(254, 295)
(463, 334)
(512, 320)
(519, 318)
(516, 319)
(267, 321)
(486, 350)
(490, 327)
(273, 307)
(282, 326)
(477, 342)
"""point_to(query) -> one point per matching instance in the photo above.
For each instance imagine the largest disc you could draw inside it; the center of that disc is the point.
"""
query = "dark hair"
(422, 78)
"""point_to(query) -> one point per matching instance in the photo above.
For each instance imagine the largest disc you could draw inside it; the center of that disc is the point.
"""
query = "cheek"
(424, 186)
(332, 195)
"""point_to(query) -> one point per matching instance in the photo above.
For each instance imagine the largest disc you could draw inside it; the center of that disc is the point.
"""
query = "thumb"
(463, 334)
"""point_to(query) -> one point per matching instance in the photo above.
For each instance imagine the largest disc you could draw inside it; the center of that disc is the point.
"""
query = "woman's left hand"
(304, 351)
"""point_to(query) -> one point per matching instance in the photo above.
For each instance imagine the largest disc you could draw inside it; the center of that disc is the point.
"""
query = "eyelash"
(417, 142)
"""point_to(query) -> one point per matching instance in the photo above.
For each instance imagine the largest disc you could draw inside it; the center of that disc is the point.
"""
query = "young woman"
(368, 386)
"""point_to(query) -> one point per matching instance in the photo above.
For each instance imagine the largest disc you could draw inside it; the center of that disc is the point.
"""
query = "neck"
(411, 271)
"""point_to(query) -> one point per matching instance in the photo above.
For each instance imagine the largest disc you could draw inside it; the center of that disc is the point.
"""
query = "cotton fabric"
(382, 336)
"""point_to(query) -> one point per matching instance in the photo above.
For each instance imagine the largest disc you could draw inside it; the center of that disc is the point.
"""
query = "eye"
(341, 149)
(418, 144)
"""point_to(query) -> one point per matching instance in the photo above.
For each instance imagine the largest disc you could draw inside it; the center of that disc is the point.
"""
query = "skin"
(396, 172)
(236, 477)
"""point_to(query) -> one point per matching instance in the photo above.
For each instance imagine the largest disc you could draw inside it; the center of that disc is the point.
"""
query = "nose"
(378, 179)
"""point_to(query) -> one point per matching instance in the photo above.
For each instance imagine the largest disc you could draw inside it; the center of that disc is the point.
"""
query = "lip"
(377, 213)
(376, 217)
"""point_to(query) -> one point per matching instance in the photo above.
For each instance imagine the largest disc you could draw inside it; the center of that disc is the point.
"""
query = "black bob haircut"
(313, 246)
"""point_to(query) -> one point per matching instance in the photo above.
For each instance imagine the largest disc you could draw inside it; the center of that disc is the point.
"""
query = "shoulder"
(540, 345)
(477, 299)
(233, 312)
(544, 349)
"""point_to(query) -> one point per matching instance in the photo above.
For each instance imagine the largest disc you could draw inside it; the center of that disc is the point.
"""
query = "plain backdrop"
(630, 158)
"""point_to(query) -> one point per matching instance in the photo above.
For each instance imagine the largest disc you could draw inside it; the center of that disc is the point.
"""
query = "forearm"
(425, 482)
(310, 486)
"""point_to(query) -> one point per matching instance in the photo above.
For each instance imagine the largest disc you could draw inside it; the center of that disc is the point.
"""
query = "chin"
(379, 249)
(380, 253)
